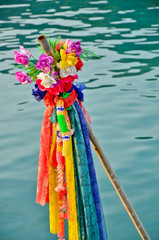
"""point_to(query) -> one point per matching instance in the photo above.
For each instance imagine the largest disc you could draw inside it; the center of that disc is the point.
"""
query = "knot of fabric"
(70, 99)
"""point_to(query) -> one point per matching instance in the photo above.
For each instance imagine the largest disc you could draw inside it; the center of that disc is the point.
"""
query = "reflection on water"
(122, 98)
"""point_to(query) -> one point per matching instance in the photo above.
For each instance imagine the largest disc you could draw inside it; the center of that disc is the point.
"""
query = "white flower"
(47, 80)
(69, 70)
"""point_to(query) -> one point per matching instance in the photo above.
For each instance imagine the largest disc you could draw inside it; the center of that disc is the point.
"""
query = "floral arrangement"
(51, 73)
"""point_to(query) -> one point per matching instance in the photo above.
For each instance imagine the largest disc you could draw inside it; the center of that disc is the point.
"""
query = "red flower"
(59, 45)
(55, 89)
(79, 64)
(69, 78)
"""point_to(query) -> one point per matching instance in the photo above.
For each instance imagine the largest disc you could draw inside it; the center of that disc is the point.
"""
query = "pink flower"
(45, 63)
(27, 53)
(23, 77)
(22, 57)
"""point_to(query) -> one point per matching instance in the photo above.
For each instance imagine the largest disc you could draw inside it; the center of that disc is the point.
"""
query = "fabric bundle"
(66, 173)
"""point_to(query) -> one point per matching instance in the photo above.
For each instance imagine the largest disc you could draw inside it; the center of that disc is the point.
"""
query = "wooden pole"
(47, 49)
(45, 45)
(109, 170)
(116, 184)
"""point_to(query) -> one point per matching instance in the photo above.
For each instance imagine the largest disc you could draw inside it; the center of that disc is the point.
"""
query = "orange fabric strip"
(43, 167)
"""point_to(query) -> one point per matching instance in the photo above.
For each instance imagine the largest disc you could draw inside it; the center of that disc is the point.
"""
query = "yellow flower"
(67, 59)
(65, 45)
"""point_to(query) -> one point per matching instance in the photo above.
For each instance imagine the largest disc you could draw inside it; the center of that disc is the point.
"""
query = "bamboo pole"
(45, 45)
(116, 184)
(108, 168)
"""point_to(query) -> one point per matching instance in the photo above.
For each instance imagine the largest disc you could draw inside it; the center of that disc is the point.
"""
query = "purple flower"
(23, 77)
(74, 47)
(37, 93)
(45, 63)
(22, 57)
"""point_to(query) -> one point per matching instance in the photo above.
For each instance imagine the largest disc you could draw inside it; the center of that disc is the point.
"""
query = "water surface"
(122, 99)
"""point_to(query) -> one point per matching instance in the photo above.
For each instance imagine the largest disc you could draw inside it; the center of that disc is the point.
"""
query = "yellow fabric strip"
(71, 191)
(56, 223)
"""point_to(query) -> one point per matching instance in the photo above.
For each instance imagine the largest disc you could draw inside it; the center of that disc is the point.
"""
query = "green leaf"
(19, 66)
(52, 69)
(40, 49)
(88, 54)
(62, 47)
(56, 55)
(32, 72)
(59, 39)
(34, 78)
(31, 65)
(52, 45)
(83, 57)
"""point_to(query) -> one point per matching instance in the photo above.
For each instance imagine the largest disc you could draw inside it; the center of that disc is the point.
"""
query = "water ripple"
(124, 81)
(15, 6)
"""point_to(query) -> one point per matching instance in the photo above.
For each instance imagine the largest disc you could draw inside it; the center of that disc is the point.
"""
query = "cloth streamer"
(66, 173)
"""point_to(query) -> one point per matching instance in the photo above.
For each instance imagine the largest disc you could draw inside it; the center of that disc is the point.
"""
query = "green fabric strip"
(80, 213)
(83, 181)
(62, 123)
(53, 118)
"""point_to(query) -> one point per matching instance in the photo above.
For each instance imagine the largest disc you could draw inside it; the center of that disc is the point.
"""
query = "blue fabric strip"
(79, 87)
(93, 179)
(88, 210)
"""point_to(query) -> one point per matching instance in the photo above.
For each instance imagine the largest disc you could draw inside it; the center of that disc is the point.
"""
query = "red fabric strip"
(43, 167)
(71, 99)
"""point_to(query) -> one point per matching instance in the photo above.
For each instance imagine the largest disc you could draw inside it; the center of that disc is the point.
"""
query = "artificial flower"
(55, 87)
(69, 70)
(37, 93)
(59, 45)
(26, 52)
(79, 64)
(44, 63)
(67, 44)
(74, 47)
(47, 80)
(69, 78)
(23, 77)
(22, 57)
(67, 59)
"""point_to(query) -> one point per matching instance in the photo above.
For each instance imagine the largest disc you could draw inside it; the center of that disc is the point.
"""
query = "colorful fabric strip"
(70, 177)
(92, 173)
(66, 174)
(83, 180)
(43, 167)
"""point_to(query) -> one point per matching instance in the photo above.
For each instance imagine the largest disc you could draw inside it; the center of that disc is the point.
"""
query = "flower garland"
(51, 73)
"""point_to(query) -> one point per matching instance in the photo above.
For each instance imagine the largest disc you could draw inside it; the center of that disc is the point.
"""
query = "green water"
(122, 99)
